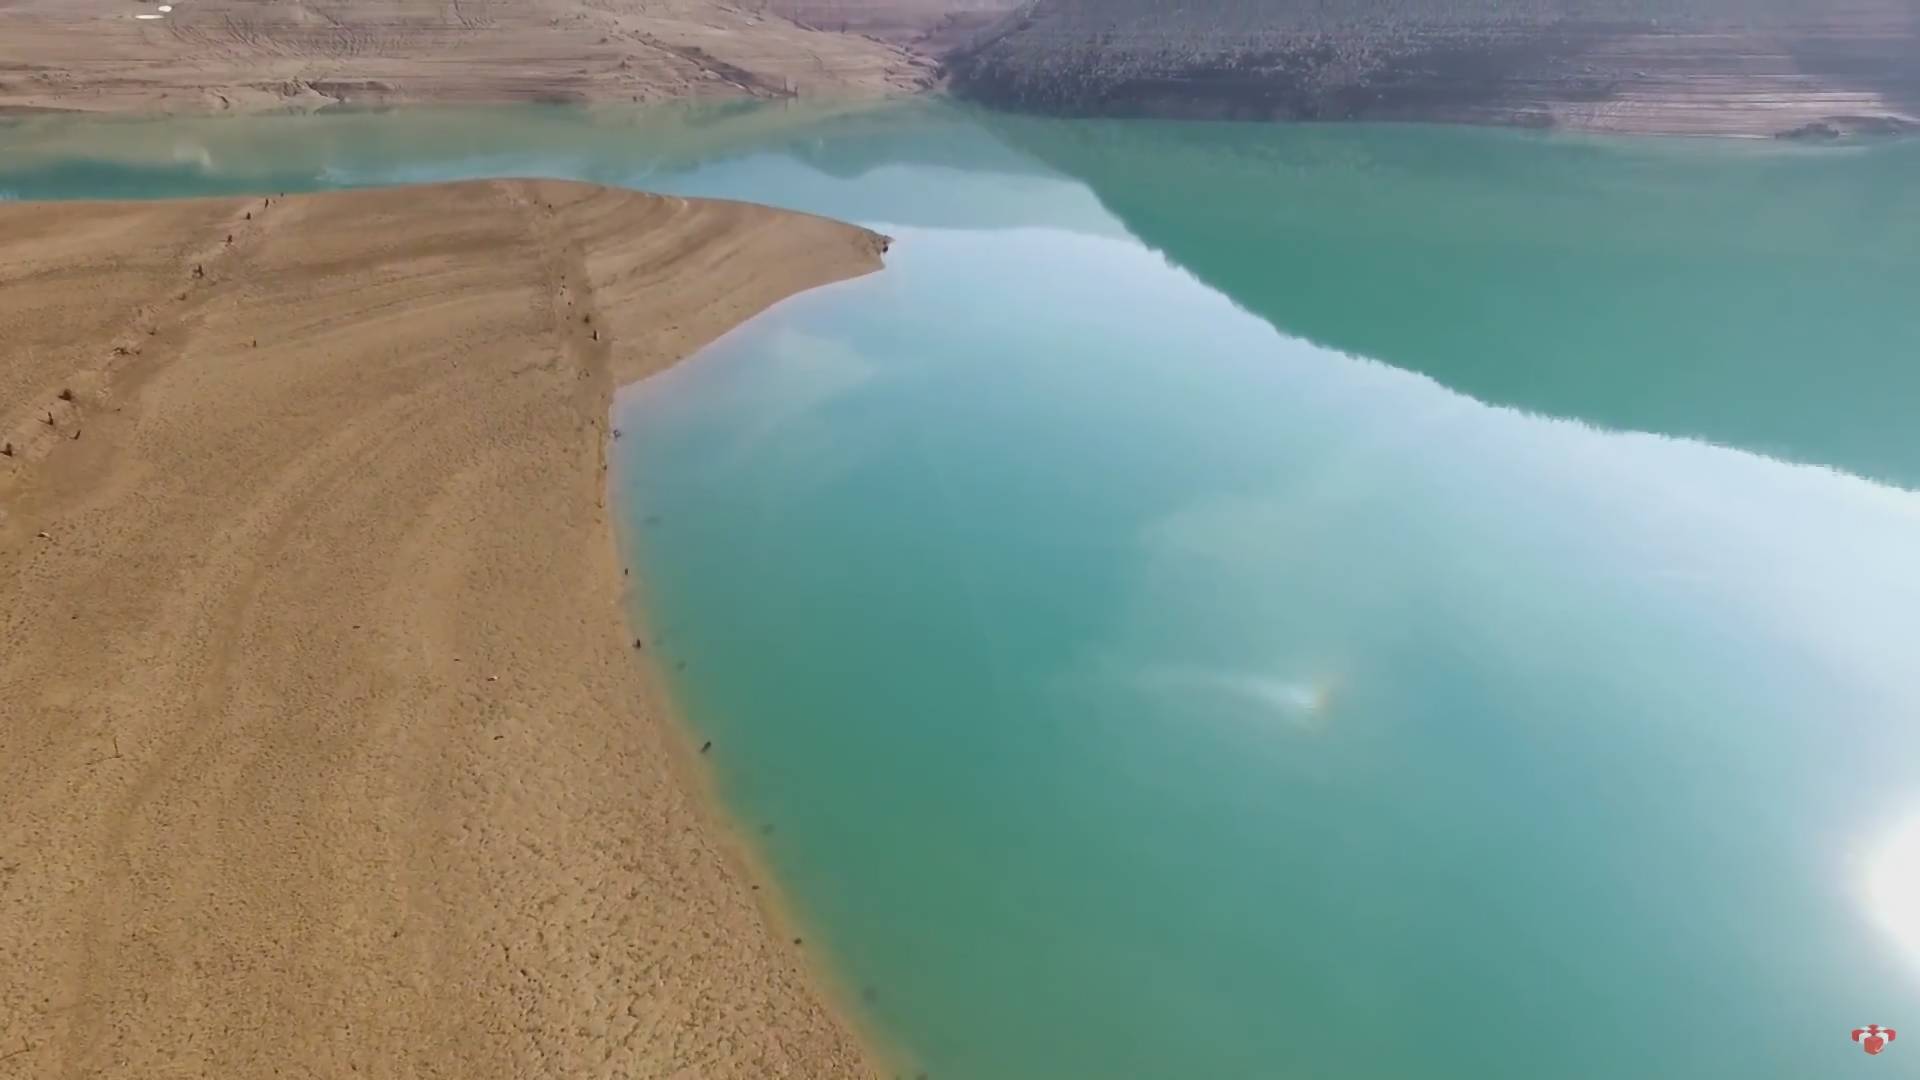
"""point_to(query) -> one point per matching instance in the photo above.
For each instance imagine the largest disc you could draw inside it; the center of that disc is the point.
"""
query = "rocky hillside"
(1682, 66)
(191, 55)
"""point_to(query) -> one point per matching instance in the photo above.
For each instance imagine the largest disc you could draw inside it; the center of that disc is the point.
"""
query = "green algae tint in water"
(1313, 602)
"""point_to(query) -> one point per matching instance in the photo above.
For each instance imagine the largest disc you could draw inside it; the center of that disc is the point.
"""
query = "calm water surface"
(1277, 602)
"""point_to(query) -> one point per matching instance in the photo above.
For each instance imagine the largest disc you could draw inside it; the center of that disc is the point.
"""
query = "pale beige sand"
(265, 54)
(324, 750)
(926, 26)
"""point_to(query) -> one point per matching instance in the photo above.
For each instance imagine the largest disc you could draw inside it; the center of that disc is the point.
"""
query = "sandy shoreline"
(323, 747)
(884, 1057)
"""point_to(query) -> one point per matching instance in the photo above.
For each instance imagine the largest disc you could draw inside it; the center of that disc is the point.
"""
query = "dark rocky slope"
(1752, 67)
(930, 27)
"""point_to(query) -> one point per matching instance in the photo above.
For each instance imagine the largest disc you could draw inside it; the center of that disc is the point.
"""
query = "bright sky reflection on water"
(1893, 886)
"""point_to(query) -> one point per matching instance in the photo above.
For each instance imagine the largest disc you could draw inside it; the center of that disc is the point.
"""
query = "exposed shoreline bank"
(1798, 69)
(1806, 121)
(326, 743)
(1812, 76)
(1802, 126)
(731, 833)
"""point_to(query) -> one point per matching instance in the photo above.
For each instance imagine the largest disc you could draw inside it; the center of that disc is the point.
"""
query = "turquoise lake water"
(1294, 602)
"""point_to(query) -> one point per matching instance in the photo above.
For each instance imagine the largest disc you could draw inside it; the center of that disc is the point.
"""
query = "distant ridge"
(1733, 67)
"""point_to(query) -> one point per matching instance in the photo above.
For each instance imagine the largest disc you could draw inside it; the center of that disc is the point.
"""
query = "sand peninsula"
(324, 749)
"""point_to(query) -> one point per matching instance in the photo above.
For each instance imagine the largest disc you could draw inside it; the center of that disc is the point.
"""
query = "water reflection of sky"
(1339, 635)
(1327, 618)
(1893, 882)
